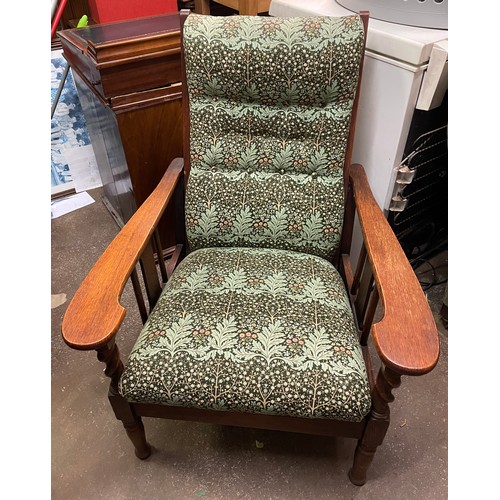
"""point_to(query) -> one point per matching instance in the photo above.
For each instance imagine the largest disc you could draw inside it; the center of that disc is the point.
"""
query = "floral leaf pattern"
(294, 130)
(281, 221)
(270, 344)
(255, 318)
(258, 330)
(223, 339)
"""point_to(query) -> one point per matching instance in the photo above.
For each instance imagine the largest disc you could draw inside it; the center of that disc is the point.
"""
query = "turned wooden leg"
(137, 435)
(134, 427)
(376, 426)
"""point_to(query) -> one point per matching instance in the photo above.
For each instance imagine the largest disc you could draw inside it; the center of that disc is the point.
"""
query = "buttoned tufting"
(262, 317)
(254, 319)
(266, 160)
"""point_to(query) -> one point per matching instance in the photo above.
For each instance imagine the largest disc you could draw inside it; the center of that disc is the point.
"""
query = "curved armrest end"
(95, 313)
(87, 326)
(410, 347)
(406, 337)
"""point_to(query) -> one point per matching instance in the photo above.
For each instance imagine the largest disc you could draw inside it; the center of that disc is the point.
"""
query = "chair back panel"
(270, 102)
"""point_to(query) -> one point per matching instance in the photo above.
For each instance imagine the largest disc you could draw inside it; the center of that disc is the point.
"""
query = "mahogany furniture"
(243, 7)
(128, 78)
(259, 319)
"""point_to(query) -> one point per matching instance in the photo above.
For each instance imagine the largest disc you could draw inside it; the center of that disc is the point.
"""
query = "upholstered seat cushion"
(257, 330)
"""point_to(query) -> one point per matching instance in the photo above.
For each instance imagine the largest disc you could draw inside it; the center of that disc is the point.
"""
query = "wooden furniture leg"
(134, 427)
(376, 426)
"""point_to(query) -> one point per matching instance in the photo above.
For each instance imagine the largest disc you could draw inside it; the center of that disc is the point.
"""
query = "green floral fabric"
(256, 330)
(270, 108)
(255, 318)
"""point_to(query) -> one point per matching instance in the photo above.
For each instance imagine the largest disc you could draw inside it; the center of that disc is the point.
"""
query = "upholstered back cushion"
(270, 107)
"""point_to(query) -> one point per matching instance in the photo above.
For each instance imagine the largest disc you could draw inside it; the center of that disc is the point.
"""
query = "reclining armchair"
(257, 317)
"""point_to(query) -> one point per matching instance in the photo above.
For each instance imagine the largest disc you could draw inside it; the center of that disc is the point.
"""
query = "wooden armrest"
(95, 313)
(406, 337)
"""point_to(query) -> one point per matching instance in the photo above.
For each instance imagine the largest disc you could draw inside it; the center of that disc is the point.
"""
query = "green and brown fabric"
(270, 107)
(256, 330)
(256, 318)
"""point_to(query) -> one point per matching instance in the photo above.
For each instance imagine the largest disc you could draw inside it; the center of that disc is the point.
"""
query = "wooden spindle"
(139, 297)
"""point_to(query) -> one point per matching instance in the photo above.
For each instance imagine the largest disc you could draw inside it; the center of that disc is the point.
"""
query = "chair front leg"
(376, 426)
(110, 355)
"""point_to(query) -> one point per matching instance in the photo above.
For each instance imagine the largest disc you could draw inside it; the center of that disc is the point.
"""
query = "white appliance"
(427, 14)
(405, 70)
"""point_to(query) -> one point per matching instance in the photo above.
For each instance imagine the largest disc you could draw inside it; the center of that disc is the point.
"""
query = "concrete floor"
(92, 457)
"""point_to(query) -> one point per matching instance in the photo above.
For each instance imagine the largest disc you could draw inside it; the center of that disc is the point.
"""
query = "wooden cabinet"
(128, 76)
(242, 7)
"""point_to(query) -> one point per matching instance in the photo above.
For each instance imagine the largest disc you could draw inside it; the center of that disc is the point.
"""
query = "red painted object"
(57, 17)
(107, 11)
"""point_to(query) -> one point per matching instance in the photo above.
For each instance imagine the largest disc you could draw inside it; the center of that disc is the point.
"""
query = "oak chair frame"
(383, 284)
